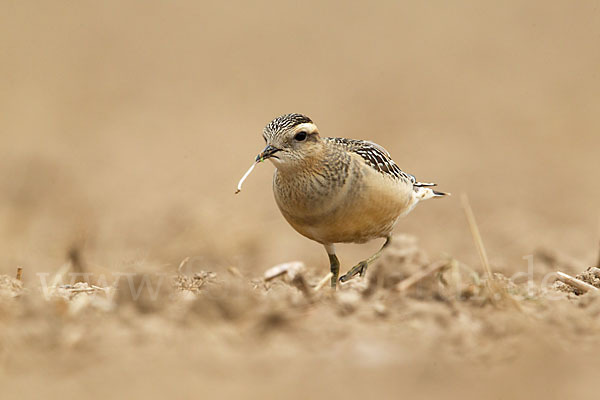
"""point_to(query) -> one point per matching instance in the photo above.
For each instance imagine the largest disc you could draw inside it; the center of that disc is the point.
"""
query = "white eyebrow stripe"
(309, 127)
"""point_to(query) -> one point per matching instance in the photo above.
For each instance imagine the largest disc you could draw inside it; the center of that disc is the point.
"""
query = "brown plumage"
(336, 190)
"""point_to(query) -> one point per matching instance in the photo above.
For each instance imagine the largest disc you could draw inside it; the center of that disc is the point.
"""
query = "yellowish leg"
(361, 267)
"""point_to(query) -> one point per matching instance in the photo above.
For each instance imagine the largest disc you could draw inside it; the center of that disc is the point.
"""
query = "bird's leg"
(361, 267)
(334, 264)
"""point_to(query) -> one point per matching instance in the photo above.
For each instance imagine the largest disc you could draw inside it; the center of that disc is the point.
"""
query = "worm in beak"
(267, 153)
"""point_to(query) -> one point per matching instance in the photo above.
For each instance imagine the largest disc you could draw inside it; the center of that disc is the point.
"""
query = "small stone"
(380, 309)
(348, 301)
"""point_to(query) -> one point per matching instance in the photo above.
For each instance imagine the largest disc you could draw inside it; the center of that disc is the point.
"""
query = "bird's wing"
(377, 158)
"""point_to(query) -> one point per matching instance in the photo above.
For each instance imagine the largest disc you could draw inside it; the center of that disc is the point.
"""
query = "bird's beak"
(267, 153)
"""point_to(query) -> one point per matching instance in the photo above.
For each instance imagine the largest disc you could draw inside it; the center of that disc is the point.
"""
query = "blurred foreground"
(451, 332)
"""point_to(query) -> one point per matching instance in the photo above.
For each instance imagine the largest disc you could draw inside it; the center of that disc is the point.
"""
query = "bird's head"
(291, 139)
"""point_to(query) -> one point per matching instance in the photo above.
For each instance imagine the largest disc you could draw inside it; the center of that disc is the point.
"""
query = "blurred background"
(125, 125)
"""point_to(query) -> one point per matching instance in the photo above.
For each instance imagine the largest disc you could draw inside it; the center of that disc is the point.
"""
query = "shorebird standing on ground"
(336, 190)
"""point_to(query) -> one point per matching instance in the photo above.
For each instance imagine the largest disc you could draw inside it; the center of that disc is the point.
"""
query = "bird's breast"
(332, 207)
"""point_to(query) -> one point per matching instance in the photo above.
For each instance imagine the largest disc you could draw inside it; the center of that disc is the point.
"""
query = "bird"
(336, 190)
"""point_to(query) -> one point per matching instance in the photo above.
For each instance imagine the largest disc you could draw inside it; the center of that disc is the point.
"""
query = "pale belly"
(365, 208)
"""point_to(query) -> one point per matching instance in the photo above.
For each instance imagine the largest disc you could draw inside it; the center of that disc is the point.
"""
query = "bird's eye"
(300, 136)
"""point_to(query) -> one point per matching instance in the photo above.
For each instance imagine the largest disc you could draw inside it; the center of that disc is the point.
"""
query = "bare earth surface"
(125, 127)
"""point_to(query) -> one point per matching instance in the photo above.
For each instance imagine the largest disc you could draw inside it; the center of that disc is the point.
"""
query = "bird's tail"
(424, 192)
(440, 194)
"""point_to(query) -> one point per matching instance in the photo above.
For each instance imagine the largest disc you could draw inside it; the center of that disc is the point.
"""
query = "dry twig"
(576, 283)
(81, 290)
(420, 275)
(323, 281)
(476, 236)
(289, 268)
(182, 264)
(235, 272)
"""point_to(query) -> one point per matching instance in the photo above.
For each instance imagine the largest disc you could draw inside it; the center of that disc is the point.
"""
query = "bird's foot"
(359, 269)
